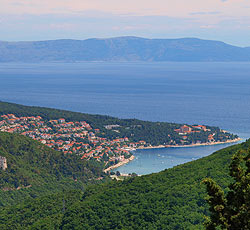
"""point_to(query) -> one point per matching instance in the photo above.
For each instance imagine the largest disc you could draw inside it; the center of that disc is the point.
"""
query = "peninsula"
(100, 138)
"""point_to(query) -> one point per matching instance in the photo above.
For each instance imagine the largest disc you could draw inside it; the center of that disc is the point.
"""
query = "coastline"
(119, 164)
(169, 146)
(192, 145)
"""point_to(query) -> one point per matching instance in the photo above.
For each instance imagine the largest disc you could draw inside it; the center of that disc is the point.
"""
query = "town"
(80, 138)
(71, 138)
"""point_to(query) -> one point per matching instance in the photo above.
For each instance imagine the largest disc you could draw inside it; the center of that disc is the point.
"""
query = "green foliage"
(171, 199)
(233, 210)
(34, 169)
(43, 213)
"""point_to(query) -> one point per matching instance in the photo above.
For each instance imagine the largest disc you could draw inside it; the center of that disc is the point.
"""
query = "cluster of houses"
(185, 129)
(70, 137)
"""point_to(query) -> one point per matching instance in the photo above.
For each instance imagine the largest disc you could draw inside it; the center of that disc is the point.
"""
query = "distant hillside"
(122, 49)
(34, 169)
(171, 199)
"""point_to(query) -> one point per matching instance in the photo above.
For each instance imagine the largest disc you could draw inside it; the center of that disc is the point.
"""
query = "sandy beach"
(193, 145)
(119, 164)
(210, 143)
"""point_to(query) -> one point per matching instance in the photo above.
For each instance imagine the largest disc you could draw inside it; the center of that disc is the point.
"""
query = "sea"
(216, 94)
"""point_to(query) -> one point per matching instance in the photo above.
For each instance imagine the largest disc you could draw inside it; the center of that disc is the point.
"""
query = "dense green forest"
(154, 133)
(171, 199)
(45, 212)
(231, 210)
(35, 169)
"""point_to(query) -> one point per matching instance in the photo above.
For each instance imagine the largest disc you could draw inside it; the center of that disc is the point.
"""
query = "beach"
(192, 145)
(125, 161)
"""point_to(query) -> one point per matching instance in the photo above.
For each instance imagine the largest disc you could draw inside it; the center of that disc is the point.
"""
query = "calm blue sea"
(195, 93)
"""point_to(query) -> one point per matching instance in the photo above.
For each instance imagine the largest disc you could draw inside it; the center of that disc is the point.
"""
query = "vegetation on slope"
(231, 211)
(171, 199)
(155, 133)
(43, 213)
(34, 169)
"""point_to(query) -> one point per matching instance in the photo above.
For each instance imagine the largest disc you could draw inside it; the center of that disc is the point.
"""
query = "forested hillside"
(45, 212)
(33, 169)
(171, 199)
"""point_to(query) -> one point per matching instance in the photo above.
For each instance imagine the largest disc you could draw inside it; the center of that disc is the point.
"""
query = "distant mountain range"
(122, 49)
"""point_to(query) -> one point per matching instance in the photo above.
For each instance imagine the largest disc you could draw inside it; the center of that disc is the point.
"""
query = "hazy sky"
(226, 20)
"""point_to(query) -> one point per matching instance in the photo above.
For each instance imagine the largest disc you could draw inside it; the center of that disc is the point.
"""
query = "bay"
(155, 160)
(194, 93)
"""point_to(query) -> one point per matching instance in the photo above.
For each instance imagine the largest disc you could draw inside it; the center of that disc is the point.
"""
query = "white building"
(3, 163)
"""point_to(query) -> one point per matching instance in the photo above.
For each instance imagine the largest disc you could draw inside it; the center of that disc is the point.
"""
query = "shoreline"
(192, 145)
(168, 146)
(119, 164)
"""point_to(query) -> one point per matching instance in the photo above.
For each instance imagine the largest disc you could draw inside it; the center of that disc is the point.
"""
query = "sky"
(29, 20)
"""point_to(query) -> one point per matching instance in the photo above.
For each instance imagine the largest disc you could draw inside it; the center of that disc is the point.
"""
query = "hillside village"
(71, 138)
(80, 138)
(185, 130)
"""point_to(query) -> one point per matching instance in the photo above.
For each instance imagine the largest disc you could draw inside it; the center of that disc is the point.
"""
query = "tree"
(231, 211)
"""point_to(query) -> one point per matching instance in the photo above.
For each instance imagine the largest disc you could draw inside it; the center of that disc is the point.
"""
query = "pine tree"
(231, 211)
